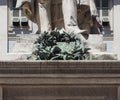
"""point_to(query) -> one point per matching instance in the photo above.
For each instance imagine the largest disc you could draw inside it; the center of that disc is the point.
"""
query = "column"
(111, 14)
(117, 28)
(3, 27)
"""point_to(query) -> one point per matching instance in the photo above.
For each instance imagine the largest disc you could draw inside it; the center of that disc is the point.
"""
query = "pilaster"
(117, 27)
(3, 26)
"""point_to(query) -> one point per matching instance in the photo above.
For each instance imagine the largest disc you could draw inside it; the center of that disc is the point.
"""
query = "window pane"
(105, 12)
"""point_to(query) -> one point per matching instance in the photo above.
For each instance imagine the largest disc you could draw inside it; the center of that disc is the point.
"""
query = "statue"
(88, 16)
(39, 12)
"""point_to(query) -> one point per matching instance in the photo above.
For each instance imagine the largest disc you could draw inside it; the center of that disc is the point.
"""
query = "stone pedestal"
(59, 80)
(102, 56)
(25, 44)
(99, 48)
(95, 42)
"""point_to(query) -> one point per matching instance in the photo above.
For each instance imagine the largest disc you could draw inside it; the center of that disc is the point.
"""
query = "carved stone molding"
(60, 80)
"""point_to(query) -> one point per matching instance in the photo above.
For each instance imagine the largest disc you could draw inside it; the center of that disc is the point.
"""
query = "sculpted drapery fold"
(39, 12)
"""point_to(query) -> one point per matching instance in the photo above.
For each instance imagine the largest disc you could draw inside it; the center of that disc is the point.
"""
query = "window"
(18, 24)
(17, 19)
(105, 13)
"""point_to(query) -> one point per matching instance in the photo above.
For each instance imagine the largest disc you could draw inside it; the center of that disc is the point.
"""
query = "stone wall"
(3, 26)
(117, 27)
(60, 80)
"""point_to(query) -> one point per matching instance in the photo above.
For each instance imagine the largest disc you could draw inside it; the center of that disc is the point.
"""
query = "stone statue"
(39, 12)
(88, 17)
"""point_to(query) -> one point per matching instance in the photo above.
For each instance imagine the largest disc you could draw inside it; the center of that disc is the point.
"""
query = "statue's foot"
(76, 30)
(83, 32)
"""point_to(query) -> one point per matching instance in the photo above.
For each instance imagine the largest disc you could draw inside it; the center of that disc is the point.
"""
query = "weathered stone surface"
(25, 44)
(117, 28)
(103, 56)
(66, 80)
(56, 72)
(95, 42)
(27, 38)
(14, 56)
(3, 26)
(60, 93)
(23, 48)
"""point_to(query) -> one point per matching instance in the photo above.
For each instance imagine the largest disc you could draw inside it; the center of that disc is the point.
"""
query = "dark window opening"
(105, 24)
(16, 24)
(24, 24)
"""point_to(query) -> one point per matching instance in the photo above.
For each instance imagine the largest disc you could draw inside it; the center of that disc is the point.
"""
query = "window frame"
(11, 27)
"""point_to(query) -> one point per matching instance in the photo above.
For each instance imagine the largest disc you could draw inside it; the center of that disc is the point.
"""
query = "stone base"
(60, 80)
(27, 38)
(98, 48)
(102, 56)
(95, 42)
(14, 56)
(25, 44)
(23, 48)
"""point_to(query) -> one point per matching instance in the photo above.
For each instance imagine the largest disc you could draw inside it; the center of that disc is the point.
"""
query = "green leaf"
(49, 48)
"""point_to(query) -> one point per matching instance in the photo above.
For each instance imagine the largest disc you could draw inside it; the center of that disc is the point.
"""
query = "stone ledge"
(59, 72)
(60, 67)
(103, 56)
(14, 56)
(79, 80)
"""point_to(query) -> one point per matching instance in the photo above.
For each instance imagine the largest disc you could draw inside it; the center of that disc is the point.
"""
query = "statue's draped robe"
(91, 4)
(82, 2)
(87, 8)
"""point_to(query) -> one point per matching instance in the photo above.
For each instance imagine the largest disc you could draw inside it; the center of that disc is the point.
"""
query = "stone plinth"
(117, 27)
(25, 43)
(3, 26)
(95, 42)
(99, 48)
(103, 56)
(60, 80)
(23, 48)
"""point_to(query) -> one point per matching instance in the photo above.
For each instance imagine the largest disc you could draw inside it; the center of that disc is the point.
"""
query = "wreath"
(57, 45)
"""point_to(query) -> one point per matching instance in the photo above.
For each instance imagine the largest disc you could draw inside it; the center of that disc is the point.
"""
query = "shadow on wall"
(3, 2)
